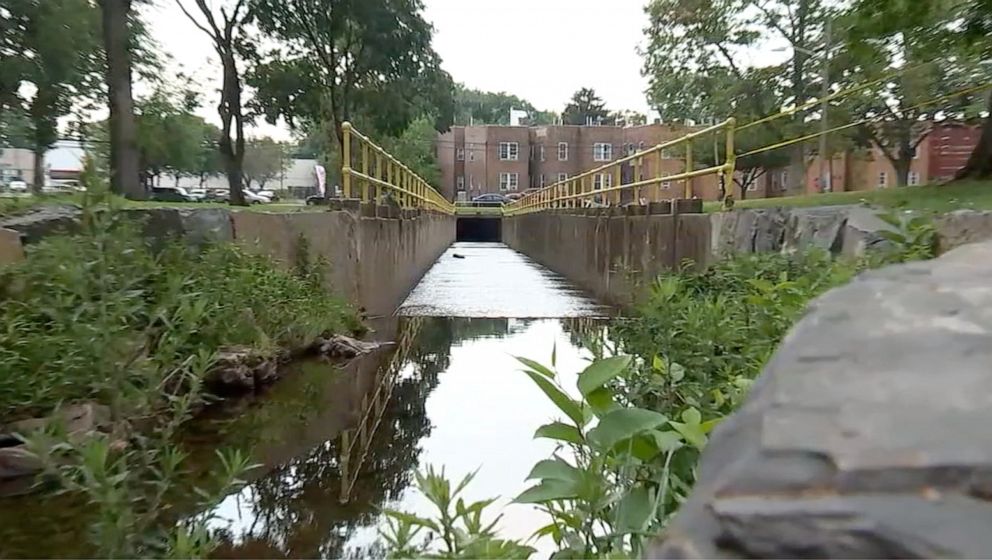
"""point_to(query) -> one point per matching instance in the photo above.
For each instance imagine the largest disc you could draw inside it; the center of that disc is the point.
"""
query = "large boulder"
(866, 435)
(862, 232)
(962, 227)
(43, 221)
(815, 227)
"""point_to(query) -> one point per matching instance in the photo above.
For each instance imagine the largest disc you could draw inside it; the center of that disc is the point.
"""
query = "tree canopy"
(586, 107)
(333, 60)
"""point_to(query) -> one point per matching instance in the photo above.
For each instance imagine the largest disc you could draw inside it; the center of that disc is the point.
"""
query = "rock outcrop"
(867, 434)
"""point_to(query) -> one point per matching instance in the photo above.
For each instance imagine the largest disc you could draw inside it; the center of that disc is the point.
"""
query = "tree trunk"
(903, 167)
(39, 169)
(979, 165)
(232, 151)
(124, 169)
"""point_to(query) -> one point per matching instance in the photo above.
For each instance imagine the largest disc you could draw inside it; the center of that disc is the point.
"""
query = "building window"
(602, 152)
(883, 179)
(640, 146)
(785, 180)
(509, 151)
(562, 151)
(914, 178)
(542, 181)
(562, 177)
(460, 183)
(471, 155)
(753, 186)
(629, 149)
(666, 153)
(666, 185)
(460, 154)
(602, 181)
(508, 181)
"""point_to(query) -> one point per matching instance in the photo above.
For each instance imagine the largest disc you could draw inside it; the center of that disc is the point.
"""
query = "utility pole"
(826, 177)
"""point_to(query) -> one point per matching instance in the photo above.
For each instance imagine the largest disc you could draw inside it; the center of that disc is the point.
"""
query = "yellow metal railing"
(580, 189)
(372, 174)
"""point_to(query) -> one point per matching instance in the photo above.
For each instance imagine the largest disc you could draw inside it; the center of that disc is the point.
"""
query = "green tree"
(485, 107)
(335, 60)
(118, 43)
(586, 108)
(170, 137)
(59, 55)
(265, 159)
(693, 46)
(950, 29)
(226, 26)
(746, 97)
(415, 148)
(900, 36)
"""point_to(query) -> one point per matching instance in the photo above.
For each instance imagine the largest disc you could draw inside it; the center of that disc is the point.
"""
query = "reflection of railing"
(356, 442)
(372, 174)
(584, 189)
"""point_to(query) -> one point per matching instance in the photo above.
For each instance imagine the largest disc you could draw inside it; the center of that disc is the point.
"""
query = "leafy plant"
(913, 238)
(457, 530)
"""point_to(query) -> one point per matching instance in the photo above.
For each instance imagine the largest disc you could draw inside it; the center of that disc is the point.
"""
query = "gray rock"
(866, 435)
(769, 230)
(344, 347)
(43, 221)
(815, 227)
(206, 225)
(963, 227)
(18, 462)
(77, 420)
(861, 232)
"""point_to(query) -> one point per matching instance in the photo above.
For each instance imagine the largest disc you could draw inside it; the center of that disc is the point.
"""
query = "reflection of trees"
(297, 506)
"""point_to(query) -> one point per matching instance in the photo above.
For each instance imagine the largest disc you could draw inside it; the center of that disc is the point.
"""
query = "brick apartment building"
(476, 160)
(939, 156)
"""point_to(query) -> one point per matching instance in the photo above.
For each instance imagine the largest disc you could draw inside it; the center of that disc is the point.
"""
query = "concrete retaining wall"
(372, 262)
(866, 436)
(612, 253)
(611, 256)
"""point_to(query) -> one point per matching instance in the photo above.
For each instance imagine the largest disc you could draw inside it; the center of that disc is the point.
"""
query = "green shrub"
(703, 336)
(101, 314)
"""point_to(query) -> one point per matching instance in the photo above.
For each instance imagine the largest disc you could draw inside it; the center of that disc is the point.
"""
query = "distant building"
(940, 155)
(476, 160)
(63, 162)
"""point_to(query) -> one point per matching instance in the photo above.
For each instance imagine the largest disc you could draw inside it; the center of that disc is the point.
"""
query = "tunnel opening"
(479, 230)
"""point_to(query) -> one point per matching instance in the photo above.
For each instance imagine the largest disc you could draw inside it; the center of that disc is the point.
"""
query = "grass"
(11, 206)
(975, 195)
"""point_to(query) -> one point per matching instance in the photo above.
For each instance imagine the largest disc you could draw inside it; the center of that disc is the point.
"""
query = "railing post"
(731, 160)
(689, 164)
(346, 158)
(617, 182)
(658, 174)
(366, 186)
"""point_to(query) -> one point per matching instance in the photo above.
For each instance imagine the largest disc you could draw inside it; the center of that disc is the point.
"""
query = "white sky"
(540, 50)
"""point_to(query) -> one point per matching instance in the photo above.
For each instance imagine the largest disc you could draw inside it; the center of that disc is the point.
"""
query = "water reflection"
(336, 444)
(456, 401)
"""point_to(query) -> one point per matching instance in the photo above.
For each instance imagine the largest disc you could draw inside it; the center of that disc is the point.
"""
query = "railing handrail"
(538, 198)
(414, 191)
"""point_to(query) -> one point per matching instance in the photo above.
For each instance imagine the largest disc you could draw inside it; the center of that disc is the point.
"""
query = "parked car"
(172, 194)
(17, 185)
(255, 198)
(490, 199)
(512, 197)
(218, 195)
(271, 195)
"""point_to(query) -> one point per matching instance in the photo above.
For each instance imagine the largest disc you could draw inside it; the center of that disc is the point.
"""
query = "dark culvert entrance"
(479, 229)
